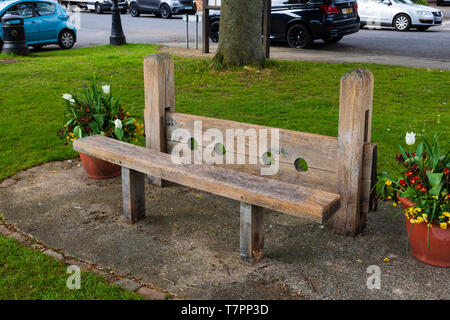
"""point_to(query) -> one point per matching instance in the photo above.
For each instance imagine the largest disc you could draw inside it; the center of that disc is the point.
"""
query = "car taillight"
(329, 9)
(355, 6)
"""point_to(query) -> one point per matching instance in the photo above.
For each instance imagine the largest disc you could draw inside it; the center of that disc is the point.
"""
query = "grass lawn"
(293, 95)
(28, 274)
(298, 95)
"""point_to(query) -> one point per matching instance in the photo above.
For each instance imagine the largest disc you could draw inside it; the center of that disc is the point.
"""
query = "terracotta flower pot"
(99, 169)
(439, 252)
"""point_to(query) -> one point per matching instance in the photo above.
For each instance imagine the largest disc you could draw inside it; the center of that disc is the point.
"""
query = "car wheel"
(66, 39)
(420, 28)
(439, 3)
(98, 8)
(165, 11)
(299, 37)
(333, 40)
(1, 45)
(402, 22)
(214, 31)
(134, 11)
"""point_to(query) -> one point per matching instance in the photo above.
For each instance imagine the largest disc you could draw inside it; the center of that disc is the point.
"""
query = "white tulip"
(410, 138)
(118, 123)
(67, 96)
(106, 89)
(72, 101)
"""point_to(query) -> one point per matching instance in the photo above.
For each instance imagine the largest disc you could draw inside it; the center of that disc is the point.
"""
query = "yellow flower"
(389, 198)
(387, 259)
(447, 214)
(388, 182)
(394, 204)
(443, 225)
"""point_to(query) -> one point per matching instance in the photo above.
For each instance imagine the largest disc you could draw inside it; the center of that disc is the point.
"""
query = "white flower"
(106, 89)
(67, 96)
(118, 123)
(410, 138)
(72, 101)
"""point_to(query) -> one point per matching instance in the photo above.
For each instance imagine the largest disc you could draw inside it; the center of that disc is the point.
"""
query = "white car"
(400, 14)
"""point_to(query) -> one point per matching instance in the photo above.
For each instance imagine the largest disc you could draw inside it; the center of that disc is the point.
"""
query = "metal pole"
(117, 37)
(187, 31)
(266, 27)
(205, 27)
(196, 32)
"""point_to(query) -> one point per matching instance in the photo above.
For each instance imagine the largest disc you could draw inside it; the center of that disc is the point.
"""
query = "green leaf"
(100, 119)
(402, 151)
(419, 150)
(435, 191)
(94, 127)
(77, 132)
(119, 133)
(434, 178)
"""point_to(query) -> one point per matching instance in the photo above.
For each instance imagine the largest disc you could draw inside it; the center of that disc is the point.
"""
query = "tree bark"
(240, 33)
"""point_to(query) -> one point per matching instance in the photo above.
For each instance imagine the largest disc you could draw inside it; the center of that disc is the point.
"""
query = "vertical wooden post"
(205, 27)
(133, 189)
(252, 232)
(159, 97)
(267, 26)
(355, 121)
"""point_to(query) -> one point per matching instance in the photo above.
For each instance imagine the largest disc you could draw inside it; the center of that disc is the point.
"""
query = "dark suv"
(162, 8)
(300, 22)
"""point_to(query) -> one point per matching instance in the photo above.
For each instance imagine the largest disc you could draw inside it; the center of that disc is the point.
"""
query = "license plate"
(347, 10)
(188, 8)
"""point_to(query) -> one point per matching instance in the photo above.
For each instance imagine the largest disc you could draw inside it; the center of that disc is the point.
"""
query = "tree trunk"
(240, 33)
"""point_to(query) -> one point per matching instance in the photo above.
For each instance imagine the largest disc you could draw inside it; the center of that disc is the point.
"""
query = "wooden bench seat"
(296, 200)
(316, 176)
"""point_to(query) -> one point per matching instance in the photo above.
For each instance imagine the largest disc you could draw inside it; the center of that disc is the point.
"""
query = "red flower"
(402, 182)
(409, 174)
(447, 171)
(423, 188)
(399, 157)
(414, 180)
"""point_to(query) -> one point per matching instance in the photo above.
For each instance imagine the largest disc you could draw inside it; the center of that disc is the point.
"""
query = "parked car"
(442, 2)
(400, 14)
(45, 22)
(300, 22)
(100, 6)
(162, 8)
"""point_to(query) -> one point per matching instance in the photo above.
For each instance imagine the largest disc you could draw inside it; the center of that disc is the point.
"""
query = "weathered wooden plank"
(133, 189)
(355, 118)
(313, 178)
(319, 151)
(370, 150)
(159, 97)
(291, 199)
(251, 232)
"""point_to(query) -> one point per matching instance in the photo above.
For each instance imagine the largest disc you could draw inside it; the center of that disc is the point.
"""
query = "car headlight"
(424, 13)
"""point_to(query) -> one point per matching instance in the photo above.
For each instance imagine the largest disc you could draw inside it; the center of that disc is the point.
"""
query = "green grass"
(28, 274)
(293, 95)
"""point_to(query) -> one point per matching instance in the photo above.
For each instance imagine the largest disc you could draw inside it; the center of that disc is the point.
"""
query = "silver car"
(400, 14)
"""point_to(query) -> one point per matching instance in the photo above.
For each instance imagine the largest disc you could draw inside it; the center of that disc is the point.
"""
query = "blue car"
(46, 22)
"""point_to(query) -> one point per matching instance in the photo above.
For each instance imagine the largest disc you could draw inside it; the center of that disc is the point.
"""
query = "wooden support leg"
(355, 121)
(133, 188)
(252, 232)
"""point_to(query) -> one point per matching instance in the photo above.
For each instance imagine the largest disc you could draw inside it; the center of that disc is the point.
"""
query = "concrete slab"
(189, 245)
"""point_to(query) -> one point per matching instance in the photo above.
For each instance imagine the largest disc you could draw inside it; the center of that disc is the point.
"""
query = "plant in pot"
(93, 110)
(421, 186)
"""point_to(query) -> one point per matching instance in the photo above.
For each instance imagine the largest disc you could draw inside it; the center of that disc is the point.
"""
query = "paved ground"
(432, 44)
(190, 247)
